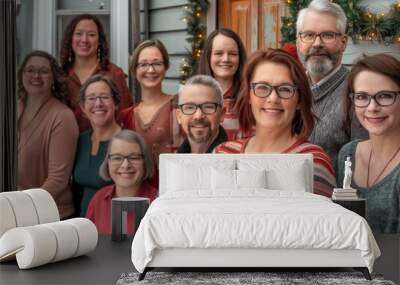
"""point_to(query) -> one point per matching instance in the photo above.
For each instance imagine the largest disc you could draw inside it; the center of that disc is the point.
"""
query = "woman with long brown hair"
(223, 58)
(47, 130)
(84, 53)
(153, 117)
(373, 94)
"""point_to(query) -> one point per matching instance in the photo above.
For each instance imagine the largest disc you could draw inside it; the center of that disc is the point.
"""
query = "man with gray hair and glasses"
(200, 113)
(321, 41)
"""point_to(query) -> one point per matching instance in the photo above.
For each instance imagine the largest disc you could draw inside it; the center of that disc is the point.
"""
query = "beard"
(203, 137)
(323, 64)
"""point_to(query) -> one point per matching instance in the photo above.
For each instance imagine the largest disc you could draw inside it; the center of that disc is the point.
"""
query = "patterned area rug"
(269, 278)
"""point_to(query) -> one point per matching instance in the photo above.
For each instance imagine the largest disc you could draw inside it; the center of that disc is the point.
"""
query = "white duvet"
(250, 218)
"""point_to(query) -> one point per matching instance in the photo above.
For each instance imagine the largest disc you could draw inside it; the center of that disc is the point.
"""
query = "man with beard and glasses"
(200, 113)
(321, 41)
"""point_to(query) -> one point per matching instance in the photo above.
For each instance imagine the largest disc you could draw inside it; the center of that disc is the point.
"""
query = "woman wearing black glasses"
(129, 165)
(276, 99)
(153, 116)
(373, 94)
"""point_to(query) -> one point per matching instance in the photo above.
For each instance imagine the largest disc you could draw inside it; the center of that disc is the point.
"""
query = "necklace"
(384, 168)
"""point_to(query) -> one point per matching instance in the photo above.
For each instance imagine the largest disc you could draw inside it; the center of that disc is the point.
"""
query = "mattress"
(250, 219)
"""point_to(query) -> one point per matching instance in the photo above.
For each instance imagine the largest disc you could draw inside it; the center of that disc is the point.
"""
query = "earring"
(99, 54)
(70, 56)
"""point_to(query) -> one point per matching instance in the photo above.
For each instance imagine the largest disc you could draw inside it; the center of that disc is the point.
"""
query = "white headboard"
(285, 168)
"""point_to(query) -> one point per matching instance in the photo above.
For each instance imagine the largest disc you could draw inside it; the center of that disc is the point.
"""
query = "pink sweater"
(46, 152)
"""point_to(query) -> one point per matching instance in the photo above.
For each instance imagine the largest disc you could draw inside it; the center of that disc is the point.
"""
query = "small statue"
(347, 173)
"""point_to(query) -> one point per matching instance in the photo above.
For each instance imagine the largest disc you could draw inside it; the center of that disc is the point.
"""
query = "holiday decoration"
(361, 23)
(193, 13)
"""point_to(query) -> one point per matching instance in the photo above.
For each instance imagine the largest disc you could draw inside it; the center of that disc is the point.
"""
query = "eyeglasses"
(41, 72)
(263, 90)
(157, 66)
(91, 100)
(118, 159)
(207, 108)
(382, 98)
(325, 37)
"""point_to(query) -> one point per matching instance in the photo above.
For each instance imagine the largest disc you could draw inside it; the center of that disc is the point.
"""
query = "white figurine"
(347, 174)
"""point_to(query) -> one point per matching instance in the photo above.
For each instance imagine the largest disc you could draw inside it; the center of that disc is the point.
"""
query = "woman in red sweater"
(153, 116)
(129, 165)
(276, 99)
(223, 58)
(84, 53)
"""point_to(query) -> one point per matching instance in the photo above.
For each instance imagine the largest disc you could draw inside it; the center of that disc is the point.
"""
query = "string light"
(195, 28)
(363, 24)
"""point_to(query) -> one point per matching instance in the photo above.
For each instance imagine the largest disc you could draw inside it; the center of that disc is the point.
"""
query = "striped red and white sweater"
(324, 173)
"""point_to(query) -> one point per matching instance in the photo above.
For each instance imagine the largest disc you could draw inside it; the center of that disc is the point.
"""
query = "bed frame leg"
(143, 274)
(364, 271)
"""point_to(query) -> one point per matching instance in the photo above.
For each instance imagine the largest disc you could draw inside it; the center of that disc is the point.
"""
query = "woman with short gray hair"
(129, 165)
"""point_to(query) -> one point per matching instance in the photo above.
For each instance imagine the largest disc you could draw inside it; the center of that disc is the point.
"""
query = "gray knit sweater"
(329, 131)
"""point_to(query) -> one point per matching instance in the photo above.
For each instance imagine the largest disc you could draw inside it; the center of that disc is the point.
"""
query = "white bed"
(247, 211)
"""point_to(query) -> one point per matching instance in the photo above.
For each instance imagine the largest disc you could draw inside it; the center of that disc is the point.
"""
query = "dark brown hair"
(204, 63)
(384, 64)
(303, 122)
(67, 55)
(59, 89)
(107, 80)
(145, 44)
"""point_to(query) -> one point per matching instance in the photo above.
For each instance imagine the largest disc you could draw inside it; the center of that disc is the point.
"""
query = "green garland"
(362, 24)
(196, 30)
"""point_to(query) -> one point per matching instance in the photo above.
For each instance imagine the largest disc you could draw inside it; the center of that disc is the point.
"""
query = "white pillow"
(223, 179)
(281, 174)
(186, 175)
(251, 178)
(183, 177)
(292, 179)
(237, 179)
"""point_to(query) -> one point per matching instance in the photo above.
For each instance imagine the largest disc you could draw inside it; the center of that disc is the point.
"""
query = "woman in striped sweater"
(276, 100)
(223, 58)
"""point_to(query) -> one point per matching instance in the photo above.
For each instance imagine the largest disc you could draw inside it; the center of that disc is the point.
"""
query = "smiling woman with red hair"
(276, 99)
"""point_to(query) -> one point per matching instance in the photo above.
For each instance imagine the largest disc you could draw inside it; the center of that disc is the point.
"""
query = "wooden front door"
(257, 22)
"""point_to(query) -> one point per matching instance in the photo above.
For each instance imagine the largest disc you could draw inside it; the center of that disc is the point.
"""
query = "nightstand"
(358, 205)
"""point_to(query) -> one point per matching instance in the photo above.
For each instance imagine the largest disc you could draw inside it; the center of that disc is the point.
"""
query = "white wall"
(119, 42)
(43, 13)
